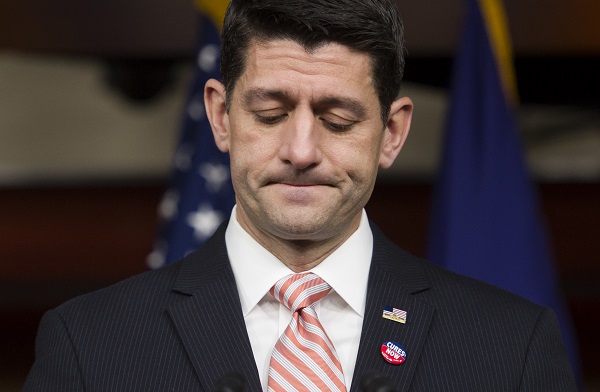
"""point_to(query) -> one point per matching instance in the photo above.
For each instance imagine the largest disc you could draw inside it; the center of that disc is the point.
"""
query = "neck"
(301, 255)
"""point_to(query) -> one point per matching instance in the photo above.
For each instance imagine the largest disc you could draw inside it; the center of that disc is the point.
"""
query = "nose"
(301, 144)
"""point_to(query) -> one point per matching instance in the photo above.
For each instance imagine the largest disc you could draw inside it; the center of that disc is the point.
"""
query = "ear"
(216, 111)
(396, 131)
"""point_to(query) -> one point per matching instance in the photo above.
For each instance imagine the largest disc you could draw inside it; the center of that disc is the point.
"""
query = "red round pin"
(393, 353)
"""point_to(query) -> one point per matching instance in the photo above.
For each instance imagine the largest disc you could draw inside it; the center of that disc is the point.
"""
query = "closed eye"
(337, 126)
(269, 120)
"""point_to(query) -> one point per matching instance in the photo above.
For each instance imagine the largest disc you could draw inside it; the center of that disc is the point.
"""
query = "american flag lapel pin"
(394, 314)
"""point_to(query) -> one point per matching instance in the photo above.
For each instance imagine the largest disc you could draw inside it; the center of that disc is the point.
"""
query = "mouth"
(299, 185)
(301, 181)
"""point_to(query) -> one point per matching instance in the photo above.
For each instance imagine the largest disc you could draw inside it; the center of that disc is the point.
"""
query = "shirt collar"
(256, 269)
(347, 268)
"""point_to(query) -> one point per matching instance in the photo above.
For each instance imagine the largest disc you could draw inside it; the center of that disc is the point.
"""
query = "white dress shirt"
(341, 312)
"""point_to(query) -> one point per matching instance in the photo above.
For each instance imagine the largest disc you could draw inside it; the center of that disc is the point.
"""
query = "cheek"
(250, 152)
(242, 144)
(358, 156)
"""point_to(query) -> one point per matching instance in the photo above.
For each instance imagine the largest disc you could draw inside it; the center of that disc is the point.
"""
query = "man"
(308, 110)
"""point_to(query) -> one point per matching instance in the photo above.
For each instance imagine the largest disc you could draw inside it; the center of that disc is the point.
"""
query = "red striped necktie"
(304, 358)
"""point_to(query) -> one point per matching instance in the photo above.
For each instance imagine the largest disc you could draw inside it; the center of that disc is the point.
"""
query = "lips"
(301, 185)
(301, 181)
(299, 188)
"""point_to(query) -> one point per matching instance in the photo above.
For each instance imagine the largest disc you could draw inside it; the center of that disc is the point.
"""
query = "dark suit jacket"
(180, 328)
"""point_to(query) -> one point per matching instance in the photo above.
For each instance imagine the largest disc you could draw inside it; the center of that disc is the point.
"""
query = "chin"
(298, 231)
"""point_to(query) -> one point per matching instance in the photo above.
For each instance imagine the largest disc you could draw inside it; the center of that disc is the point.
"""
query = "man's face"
(305, 137)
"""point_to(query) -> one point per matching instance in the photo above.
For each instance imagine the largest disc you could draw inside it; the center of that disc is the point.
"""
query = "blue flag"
(486, 219)
(199, 195)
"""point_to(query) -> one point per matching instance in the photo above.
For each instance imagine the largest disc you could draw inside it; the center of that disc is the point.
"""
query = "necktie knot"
(298, 291)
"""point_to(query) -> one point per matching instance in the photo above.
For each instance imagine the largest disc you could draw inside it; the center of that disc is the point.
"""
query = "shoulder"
(474, 323)
(460, 291)
(158, 288)
(451, 293)
(138, 293)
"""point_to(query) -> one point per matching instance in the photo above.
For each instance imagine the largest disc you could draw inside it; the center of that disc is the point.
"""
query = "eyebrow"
(350, 104)
(260, 94)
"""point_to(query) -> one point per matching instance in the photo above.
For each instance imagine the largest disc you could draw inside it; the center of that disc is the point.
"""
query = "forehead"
(285, 64)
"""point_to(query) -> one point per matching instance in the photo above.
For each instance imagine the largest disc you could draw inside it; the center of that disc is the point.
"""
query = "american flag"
(199, 195)
(394, 314)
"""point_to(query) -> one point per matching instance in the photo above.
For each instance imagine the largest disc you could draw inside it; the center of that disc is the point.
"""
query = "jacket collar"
(210, 323)
(209, 317)
(396, 279)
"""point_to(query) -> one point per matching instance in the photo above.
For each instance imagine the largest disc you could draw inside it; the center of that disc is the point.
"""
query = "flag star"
(183, 157)
(207, 58)
(157, 258)
(204, 221)
(215, 176)
(168, 206)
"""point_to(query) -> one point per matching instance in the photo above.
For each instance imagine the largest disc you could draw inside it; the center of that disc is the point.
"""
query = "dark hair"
(372, 27)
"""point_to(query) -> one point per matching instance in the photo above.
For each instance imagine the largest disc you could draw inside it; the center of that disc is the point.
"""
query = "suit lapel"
(210, 324)
(209, 318)
(395, 279)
